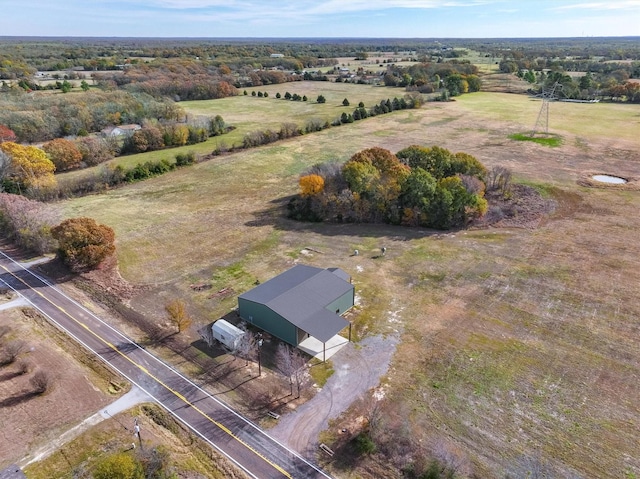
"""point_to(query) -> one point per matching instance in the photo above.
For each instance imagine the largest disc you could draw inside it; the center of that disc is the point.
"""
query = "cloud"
(610, 5)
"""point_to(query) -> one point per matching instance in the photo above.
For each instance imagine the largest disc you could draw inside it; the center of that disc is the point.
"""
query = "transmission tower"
(548, 94)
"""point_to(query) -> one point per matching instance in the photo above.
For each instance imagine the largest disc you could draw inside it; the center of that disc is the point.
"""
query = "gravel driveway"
(357, 370)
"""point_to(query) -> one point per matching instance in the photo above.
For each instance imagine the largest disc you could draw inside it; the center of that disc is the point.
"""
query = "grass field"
(517, 343)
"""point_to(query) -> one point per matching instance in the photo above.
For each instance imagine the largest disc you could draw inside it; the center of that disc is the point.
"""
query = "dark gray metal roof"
(301, 295)
(12, 472)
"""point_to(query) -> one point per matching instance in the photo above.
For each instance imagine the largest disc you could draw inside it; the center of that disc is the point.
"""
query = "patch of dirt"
(523, 207)
(28, 419)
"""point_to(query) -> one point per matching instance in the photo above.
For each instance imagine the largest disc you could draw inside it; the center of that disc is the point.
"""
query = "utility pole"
(260, 341)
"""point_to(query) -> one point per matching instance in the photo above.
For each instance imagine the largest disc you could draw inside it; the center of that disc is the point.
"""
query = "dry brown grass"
(515, 342)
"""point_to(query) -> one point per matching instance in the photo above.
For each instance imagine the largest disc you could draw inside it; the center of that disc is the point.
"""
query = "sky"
(318, 18)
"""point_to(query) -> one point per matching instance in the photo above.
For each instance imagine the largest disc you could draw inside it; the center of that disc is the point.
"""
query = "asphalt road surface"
(250, 448)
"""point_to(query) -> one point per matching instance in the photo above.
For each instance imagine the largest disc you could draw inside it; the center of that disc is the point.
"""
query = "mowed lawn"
(516, 343)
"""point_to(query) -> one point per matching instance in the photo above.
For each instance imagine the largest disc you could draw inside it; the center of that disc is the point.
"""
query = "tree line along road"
(245, 444)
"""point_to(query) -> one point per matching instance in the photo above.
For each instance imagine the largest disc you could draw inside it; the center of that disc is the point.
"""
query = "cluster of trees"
(156, 135)
(409, 101)
(290, 130)
(294, 97)
(39, 117)
(30, 170)
(258, 94)
(456, 77)
(418, 186)
(586, 87)
(81, 243)
(113, 176)
(27, 222)
(605, 80)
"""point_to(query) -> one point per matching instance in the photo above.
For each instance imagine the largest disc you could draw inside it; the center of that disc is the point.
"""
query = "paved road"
(250, 448)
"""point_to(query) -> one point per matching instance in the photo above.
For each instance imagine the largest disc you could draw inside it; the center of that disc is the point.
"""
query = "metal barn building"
(302, 302)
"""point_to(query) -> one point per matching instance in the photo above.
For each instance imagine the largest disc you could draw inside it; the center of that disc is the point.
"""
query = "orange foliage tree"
(6, 134)
(63, 153)
(311, 184)
(83, 243)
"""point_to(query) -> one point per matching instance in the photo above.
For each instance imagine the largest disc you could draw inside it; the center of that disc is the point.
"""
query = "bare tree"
(12, 350)
(41, 381)
(247, 347)
(24, 366)
(291, 363)
(452, 457)
(499, 179)
(206, 333)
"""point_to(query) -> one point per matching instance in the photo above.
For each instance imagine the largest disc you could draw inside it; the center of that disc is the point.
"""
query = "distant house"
(121, 130)
(302, 302)
(277, 55)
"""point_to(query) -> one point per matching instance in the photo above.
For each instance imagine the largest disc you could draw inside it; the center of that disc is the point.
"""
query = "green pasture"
(584, 120)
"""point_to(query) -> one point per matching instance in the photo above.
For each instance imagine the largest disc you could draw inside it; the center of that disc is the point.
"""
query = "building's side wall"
(264, 318)
(343, 303)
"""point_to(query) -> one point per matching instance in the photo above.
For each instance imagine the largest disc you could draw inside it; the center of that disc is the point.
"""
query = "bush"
(345, 102)
(321, 99)
(121, 465)
(41, 381)
(364, 444)
(184, 159)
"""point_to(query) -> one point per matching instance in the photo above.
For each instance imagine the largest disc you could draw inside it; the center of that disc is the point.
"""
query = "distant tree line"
(418, 186)
(290, 130)
(456, 77)
(38, 118)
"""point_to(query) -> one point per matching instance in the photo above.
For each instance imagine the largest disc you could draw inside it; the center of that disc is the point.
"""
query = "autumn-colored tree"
(311, 185)
(63, 153)
(30, 166)
(94, 150)
(178, 315)
(83, 243)
(27, 222)
(6, 134)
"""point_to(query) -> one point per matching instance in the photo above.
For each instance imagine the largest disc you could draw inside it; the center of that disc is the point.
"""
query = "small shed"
(227, 333)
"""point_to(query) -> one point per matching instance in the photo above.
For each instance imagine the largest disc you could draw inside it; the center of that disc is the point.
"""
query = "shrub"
(41, 381)
(321, 99)
(364, 444)
(12, 350)
(345, 102)
(184, 159)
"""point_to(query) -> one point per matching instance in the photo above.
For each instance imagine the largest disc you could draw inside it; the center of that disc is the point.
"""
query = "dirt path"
(130, 399)
(357, 370)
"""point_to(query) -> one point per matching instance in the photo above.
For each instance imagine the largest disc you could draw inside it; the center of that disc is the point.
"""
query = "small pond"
(615, 180)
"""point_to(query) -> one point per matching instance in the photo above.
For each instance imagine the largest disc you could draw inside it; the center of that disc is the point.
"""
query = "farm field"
(518, 344)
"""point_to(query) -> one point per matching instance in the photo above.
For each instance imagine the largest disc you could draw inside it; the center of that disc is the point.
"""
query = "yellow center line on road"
(146, 371)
